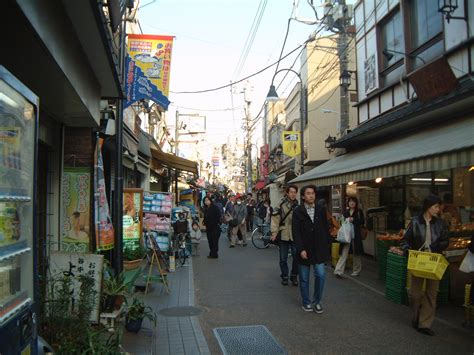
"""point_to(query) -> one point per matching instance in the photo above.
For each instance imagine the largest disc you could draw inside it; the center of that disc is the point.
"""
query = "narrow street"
(243, 287)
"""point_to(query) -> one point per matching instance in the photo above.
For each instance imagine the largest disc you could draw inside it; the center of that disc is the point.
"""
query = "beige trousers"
(341, 263)
(423, 303)
(243, 230)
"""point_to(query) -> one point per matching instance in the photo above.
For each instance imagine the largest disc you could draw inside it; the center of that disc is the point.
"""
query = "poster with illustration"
(75, 226)
(132, 217)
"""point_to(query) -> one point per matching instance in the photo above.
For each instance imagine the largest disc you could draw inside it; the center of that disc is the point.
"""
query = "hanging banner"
(264, 155)
(148, 69)
(291, 143)
(104, 229)
(132, 218)
(75, 224)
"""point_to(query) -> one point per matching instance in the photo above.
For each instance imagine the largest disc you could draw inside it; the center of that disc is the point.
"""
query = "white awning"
(434, 149)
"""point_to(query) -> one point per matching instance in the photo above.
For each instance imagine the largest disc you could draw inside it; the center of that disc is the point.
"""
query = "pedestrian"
(425, 232)
(355, 216)
(212, 218)
(267, 207)
(239, 217)
(313, 246)
(250, 212)
(281, 224)
(195, 235)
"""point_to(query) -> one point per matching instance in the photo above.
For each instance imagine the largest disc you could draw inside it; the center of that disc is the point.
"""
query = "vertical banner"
(75, 224)
(291, 143)
(104, 229)
(264, 153)
(148, 69)
(132, 217)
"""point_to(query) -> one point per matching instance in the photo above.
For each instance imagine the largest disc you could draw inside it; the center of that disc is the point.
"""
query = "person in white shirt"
(195, 235)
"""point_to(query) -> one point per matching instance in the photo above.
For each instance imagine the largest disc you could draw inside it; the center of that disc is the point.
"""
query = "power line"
(211, 110)
(250, 38)
(239, 81)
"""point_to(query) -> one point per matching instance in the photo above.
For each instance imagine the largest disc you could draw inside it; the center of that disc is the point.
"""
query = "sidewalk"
(178, 330)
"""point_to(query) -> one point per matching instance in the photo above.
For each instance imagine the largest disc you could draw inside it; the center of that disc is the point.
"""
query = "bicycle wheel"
(182, 256)
(259, 240)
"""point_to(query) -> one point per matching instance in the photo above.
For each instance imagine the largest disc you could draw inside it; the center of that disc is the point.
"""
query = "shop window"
(426, 26)
(392, 40)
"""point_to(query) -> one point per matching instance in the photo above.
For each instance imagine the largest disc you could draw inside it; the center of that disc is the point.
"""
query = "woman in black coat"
(212, 218)
(354, 215)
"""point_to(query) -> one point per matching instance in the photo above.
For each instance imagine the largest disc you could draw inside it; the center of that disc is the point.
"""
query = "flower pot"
(131, 264)
(108, 304)
(133, 325)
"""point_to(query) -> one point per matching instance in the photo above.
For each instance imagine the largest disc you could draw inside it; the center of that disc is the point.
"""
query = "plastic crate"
(395, 282)
(427, 265)
(396, 295)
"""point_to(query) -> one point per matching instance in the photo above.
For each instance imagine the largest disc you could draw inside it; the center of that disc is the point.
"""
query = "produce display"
(391, 236)
(458, 243)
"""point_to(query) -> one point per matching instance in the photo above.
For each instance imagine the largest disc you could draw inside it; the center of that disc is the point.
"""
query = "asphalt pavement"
(243, 287)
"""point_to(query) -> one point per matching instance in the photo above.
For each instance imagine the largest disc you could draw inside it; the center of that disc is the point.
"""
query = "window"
(426, 21)
(392, 40)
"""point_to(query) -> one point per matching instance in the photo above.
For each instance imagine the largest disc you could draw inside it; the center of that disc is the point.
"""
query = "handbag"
(467, 264)
(345, 233)
(363, 232)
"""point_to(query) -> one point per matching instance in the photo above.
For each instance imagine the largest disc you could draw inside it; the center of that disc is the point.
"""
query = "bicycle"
(179, 248)
(261, 236)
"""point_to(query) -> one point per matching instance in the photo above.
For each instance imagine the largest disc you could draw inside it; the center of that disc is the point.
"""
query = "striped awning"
(441, 148)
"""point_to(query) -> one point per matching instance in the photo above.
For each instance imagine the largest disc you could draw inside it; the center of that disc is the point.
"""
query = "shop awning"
(440, 148)
(174, 162)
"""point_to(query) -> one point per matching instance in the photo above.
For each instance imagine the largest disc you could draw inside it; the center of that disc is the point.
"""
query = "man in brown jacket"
(281, 223)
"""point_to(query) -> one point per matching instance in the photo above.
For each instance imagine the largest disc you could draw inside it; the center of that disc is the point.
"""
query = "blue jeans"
(319, 277)
(286, 246)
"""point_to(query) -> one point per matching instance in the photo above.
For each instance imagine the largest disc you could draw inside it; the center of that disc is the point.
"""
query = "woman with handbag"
(212, 218)
(355, 216)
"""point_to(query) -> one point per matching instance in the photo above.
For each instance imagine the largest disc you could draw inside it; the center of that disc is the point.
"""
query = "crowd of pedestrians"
(305, 230)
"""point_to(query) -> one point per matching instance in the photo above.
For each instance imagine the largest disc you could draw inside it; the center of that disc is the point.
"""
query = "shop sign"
(75, 224)
(148, 69)
(291, 143)
(264, 154)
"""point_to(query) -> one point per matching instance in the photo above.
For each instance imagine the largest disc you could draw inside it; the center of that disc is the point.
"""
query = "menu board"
(132, 217)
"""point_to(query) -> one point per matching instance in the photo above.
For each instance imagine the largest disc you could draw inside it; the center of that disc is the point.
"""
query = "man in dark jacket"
(313, 246)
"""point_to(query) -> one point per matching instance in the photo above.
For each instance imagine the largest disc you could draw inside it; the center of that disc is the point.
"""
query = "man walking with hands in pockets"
(313, 246)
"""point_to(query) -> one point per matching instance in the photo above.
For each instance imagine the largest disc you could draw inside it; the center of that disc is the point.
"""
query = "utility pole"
(343, 63)
(249, 143)
(176, 134)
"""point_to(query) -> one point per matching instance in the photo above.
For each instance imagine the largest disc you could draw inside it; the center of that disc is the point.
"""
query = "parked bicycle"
(261, 236)
(179, 248)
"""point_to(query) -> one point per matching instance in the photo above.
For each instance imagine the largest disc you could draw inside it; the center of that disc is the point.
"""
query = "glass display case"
(18, 125)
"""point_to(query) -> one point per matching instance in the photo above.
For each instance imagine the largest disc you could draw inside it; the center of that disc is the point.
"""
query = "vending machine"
(18, 137)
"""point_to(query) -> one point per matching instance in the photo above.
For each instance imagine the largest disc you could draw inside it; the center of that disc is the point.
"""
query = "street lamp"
(447, 7)
(328, 142)
(273, 96)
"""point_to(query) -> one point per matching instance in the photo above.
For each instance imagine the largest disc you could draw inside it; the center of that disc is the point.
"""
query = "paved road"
(242, 288)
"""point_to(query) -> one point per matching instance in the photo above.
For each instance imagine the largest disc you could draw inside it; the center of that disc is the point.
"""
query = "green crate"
(396, 283)
(396, 296)
(397, 259)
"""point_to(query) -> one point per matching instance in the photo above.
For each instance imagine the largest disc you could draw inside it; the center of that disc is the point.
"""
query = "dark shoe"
(318, 309)
(338, 276)
(231, 246)
(212, 257)
(245, 244)
(414, 324)
(426, 331)
(307, 308)
(284, 282)
(294, 281)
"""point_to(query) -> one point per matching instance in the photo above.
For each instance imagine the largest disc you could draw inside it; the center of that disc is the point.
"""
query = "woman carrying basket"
(426, 232)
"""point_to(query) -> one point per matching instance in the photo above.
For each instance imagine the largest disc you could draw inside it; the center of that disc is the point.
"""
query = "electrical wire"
(210, 110)
(241, 80)
(284, 43)
(250, 38)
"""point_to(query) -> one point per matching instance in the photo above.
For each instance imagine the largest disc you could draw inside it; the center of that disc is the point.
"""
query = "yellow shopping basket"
(427, 265)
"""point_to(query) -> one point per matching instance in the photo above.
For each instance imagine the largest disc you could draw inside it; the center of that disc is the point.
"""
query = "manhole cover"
(181, 311)
(253, 339)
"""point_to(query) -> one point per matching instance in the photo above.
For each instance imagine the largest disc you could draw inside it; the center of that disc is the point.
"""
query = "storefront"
(391, 181)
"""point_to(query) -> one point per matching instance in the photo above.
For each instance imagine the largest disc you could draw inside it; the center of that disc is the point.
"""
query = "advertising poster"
(104, 229)
(148, 69)
(132, 217)
(75, 224)
(291, 143)
(264, 153)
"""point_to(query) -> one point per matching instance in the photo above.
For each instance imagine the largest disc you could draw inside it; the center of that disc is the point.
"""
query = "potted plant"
(132, 257)
(136, 312)
(114, 291)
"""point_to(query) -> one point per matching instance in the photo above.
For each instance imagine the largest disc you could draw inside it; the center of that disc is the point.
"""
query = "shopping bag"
(467, 264)
(345, 233)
